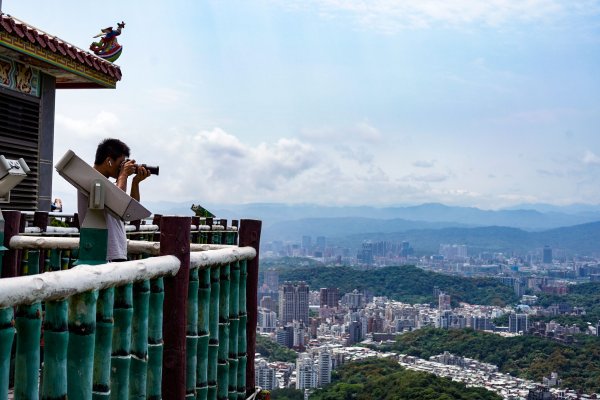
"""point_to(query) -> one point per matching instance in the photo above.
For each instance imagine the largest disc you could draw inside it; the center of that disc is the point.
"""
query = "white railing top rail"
(59, 285)
(221, 256)
(70, 243)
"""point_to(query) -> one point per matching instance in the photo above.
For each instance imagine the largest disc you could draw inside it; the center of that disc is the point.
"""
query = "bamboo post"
(93, 241)
(192, 335)
(56, 336)
(224, 234)
(103, 344)
(233, 329)
(7, 334)
(250, 236)
(139, 341)
(213, 342)
(175, 240)
(242, 340)
(54, 378)
(196, 234)
(210, 237)
(155, 340)
(121, 342)
(12, 223)
(7, 327)
(223, 353)
(40, 220)
(203, 333)
(28, 321)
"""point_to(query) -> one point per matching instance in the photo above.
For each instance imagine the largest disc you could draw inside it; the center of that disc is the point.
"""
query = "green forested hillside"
(406, 283)
(384, 379)
(586, 295)
(273, 351)
(529, 357)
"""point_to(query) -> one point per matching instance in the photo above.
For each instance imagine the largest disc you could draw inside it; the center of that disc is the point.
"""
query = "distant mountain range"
(527, 226)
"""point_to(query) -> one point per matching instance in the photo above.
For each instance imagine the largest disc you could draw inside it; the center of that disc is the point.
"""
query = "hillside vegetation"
(529, 357)
(406, 283)
(384, 379)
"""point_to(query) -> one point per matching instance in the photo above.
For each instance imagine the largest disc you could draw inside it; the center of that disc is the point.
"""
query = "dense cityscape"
(329, 328)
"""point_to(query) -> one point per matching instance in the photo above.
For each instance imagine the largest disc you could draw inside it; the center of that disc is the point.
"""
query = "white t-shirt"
(117, 240)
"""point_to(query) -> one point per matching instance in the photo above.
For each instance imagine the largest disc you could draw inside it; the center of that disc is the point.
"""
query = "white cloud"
(424, 163)
(166, 95)
(359, 132)
(591, 158)
(431, 178)
(97, 127)
(391, 16)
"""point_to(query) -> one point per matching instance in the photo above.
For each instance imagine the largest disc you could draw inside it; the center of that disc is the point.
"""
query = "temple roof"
(71, 66)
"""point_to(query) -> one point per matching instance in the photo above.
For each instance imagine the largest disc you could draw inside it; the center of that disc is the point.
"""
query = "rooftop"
(71, 66)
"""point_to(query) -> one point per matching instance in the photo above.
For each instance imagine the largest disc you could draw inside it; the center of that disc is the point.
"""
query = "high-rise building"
(517, 323)
(269, 303)
(271, 276)
(365, 254)
(267, 320)
(306, 242)
(354, 332)
(547, 255)
(293, 302)
(329, 297)
(405, 249)
(321, 243)
(285, 336)
(306, 372)
(264, 375)
(444, 302)
(324, 365)
(354, 300)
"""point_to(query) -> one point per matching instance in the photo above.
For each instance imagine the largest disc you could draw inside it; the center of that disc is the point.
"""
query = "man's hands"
(142, 173)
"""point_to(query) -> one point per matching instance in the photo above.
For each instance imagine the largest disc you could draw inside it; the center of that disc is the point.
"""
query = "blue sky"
(378, 102)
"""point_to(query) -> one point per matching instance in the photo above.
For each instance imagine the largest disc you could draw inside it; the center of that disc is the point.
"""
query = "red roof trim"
(40, 38)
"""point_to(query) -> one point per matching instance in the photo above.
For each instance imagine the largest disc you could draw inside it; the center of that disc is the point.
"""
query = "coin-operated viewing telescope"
(101, 192)
(103, 195)
(12, 172)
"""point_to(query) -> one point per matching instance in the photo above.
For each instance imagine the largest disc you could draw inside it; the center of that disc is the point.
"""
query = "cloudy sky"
(350, 102)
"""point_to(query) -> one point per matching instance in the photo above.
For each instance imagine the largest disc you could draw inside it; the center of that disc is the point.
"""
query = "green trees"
(384, 379)
(529, 357)
(405, 283)
(273, 351)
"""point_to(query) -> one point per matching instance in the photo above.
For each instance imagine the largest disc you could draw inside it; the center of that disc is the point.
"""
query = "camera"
(151, 168)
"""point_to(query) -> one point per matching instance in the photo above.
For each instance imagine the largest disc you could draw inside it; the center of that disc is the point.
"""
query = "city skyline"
(343, 103)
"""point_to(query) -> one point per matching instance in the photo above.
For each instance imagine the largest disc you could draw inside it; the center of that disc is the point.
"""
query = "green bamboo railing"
(223, 352)
(203, 333)
(192, 335)
(138, 372)
(155, 340)
(233, 330)
(242, 343)
(28, 322)
(213, 329)
(113, 338)
(56, 336)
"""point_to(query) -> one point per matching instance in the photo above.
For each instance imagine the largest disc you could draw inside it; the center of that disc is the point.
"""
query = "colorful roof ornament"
(108, 47)
(71, 66)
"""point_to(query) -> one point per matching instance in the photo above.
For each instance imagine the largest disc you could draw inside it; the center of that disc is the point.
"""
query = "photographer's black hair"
(112, 148)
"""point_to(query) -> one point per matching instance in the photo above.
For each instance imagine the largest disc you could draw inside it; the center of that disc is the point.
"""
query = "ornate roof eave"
(72, 67)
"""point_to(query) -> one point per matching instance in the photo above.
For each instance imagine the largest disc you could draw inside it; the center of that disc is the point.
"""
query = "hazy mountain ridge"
(581, 239)
(527, 216)
(424, 226)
